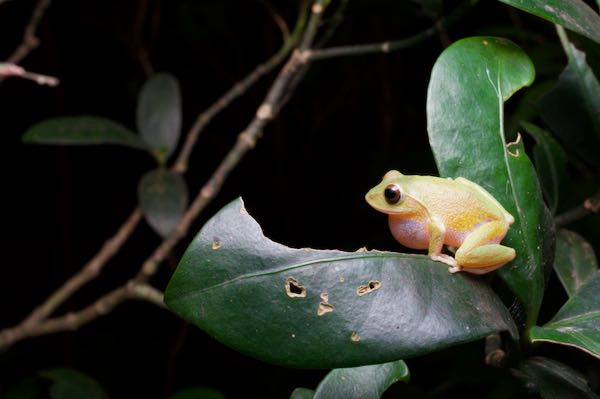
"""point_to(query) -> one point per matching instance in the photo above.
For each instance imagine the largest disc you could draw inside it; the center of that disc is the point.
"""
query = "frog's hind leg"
(480, 252)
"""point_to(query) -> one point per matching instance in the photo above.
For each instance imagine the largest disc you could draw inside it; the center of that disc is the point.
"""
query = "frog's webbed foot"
(447, 259)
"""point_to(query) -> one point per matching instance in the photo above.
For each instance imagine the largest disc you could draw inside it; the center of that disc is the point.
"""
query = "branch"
(590, 205)
(30, 40)
(246, 141)
(13, 70)
(395, 45)
(74, 320)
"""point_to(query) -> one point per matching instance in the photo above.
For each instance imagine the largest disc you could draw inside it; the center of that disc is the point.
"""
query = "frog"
(429, 212)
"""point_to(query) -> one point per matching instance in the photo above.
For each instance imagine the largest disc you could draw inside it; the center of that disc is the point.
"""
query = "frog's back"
(457, 201)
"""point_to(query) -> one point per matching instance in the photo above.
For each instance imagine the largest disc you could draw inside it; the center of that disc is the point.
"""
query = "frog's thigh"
(481, 250)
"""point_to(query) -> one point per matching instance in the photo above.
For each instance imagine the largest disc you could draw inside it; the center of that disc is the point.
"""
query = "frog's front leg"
(436, 243)
(480, 252)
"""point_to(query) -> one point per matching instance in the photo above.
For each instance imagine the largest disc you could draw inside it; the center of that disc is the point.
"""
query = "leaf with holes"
(575, 261)
(324, 309)
(159, 114)
(572, 108)
(163, 197)
(550, 163)
(365, 382)
(72, 384)
(469, 84)
(577, 323)
(554, 380)
(572, 14)
(82, 130)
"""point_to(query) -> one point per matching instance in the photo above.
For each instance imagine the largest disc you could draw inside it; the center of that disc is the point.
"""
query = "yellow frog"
(426, 212)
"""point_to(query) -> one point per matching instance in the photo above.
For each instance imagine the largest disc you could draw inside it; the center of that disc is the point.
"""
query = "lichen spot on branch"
(367, 288)
(294, 289)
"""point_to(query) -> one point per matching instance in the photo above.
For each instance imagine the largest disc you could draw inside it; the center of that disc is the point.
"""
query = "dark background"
(350, 121)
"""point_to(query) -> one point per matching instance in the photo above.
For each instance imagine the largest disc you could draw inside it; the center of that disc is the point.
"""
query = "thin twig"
(13, 70)
(74, 320)
(246, 141)
(590, 205)
(390, 46)
(30, 40)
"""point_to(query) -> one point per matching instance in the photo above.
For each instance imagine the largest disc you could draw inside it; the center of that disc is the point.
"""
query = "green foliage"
(324, 308)
(469, 84)
(575, 261)
(72, 384)
(554, 380)
(163, 197)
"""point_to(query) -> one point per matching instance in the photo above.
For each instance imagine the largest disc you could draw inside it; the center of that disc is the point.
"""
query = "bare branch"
(30, 40)
(13, 70)
(590, 205)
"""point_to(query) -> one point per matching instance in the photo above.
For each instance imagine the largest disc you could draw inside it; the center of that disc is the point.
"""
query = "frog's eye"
(392, 194)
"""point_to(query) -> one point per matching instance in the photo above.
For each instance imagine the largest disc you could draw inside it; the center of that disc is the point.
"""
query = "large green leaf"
(159, 114)
(577, 323)
(163, 197)
(572, 14)
(72, 384)
(572, 108)
(550, 163)
(324, 309)
(365, 382)
(554, 380)
(469, 84)
(82, 130)
(575, 261)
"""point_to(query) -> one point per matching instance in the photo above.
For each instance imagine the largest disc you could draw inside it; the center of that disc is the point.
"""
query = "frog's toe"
(447, 259)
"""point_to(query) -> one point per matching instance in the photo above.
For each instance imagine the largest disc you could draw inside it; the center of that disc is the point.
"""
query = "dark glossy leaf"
(365, 382)
(575, 261)
(324, 309)
(82, 130)
(572, 108)
(554, 380)
(577, 323)
(163, 197)
(159, 114)
(72, 384)
(572, 14)
(197, 393)
(550, 161)
(469, 84)
(302, 393)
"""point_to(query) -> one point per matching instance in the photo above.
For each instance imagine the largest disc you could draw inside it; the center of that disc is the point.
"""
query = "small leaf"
(163, 197)
(575, 261)
(159, 114)
(72, 384)
(572, 14)
(82, 130)
(572, 108)
(550, 161)
(302, 393)
(197, 393)
(577, 323)
(469, 84)
(324, 309)
(554, 380)
(365, 382)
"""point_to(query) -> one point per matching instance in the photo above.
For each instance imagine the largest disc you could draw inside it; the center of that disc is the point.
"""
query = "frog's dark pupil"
(392, 194)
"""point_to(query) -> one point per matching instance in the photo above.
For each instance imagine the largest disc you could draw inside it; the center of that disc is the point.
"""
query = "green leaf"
(469, 84)
(365, 382)
(163, 197)
(159, 114)
(302, 393)
(554, 380)
(575, 261)
(72, 384)
(324, 309)
(577, 323)
(82, 130)
(197, 393)
(550, 161)
(572, 14)
(572, 108)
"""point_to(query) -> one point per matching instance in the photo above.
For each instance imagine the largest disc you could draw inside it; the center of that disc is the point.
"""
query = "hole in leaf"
(370, 287)
(216, 244)
(355, 337)
(324, 308)
(294, 289)
(325, 297)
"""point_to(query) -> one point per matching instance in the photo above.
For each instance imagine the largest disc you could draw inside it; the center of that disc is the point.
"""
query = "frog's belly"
(412, 233)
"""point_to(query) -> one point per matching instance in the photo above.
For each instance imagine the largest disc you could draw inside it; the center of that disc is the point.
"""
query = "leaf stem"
(30, 40)
(590, 205)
